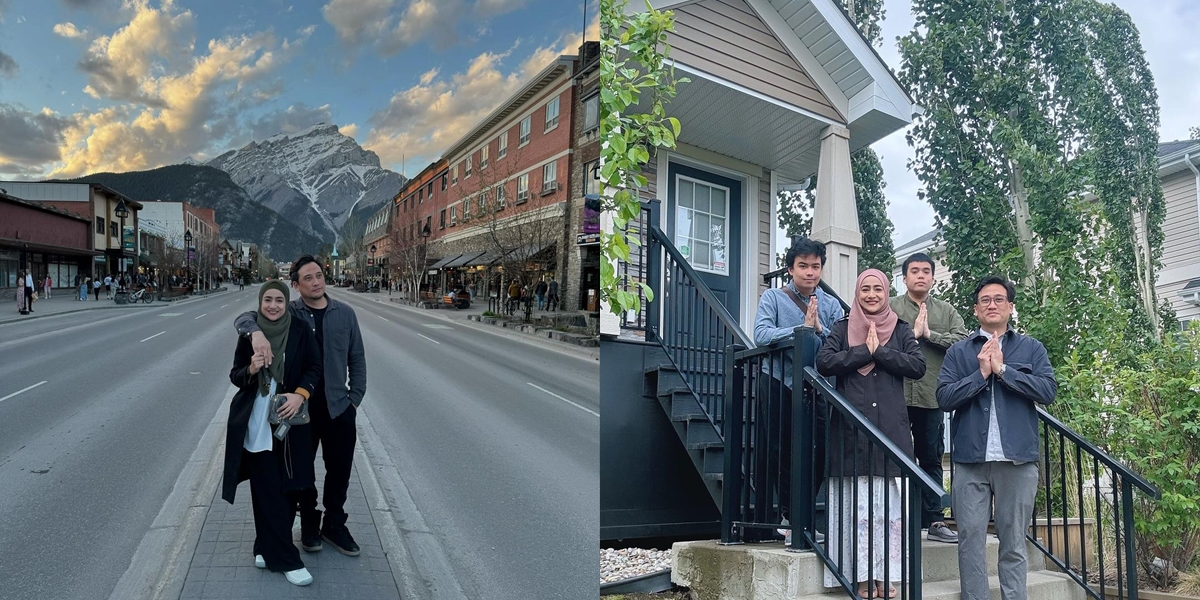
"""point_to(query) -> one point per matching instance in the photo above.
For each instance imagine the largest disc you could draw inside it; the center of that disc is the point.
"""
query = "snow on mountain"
(316, 178)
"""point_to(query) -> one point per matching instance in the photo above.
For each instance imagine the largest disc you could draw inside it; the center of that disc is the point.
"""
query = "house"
(929, 245)
(779, 90)
(378, 235)
(44, 239)
(115, 237)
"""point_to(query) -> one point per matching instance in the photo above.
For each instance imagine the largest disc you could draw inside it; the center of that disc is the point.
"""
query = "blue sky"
(95, 85)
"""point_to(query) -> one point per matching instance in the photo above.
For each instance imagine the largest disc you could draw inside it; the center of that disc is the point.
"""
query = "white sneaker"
(259, 562)
(299, 577)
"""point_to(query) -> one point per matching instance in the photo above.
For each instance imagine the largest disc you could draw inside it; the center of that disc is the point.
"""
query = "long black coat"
(302, 369)
(879, 395)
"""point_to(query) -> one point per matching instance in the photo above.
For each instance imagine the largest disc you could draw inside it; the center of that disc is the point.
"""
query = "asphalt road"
(496, 440)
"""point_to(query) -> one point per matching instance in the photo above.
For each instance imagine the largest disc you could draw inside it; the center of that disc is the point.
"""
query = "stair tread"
(949, 590)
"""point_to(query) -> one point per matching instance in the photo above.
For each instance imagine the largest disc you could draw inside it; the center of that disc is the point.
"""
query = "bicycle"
(144, 294)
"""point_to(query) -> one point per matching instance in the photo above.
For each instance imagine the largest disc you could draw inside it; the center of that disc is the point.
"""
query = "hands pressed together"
(991, 357)
(811, 318)
(921, 325)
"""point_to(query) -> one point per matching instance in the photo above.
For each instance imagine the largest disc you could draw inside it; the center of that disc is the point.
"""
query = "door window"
(701, 222)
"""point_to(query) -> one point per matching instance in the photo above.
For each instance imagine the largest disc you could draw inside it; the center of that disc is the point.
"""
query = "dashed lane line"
(385, 319)
(580, 407)
(21, 391)
(153, 336)
(430, 339)
(203, 315)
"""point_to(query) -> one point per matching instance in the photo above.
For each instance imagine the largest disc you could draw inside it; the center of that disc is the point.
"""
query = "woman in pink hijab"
(870, 353)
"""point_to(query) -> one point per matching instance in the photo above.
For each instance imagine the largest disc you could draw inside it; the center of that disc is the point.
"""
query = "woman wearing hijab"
(870, 352)
(275, 468)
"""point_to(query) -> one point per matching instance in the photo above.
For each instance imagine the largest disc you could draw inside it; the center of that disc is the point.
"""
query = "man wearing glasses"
(992, 381)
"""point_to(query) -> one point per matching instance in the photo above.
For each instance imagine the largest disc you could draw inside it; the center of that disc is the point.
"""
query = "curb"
(24, 318)
(160, 563)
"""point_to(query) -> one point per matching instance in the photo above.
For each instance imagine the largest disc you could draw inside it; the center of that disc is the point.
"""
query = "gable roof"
(1174, 156)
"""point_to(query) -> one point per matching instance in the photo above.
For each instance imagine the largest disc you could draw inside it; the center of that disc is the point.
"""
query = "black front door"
(704, 221)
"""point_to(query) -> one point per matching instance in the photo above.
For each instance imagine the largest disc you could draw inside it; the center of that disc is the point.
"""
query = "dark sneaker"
(938, 532)
(340, 539)
(310, 531)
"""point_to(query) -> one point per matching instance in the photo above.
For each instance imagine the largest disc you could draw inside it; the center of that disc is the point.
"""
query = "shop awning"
(462, 261)
(441, 264)
(485, 259)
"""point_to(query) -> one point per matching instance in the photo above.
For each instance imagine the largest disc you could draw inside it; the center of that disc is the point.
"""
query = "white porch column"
(835, 217)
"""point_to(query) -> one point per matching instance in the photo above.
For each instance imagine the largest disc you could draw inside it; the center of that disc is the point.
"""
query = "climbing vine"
(633, 76)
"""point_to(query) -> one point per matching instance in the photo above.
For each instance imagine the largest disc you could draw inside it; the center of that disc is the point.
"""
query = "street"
(495, 440)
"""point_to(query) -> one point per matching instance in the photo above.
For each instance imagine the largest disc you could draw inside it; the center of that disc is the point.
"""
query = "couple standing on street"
(902, 377)
(310, 351)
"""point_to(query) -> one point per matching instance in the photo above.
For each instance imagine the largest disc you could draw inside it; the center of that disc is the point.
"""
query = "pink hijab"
(860, 322)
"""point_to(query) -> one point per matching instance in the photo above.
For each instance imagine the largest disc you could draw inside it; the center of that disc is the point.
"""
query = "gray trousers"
(1013, 487)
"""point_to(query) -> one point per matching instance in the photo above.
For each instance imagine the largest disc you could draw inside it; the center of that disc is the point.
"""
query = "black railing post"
(1131, 577)
(653, 272)
(731, 489)
(803, 407)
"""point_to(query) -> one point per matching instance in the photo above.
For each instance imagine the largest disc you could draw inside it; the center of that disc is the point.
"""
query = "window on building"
(550, 176)
(524, 139)
(483, 200)
(443, 182)
(522, 188)
(99, 225)
(454, 175)
(453, 216)
(112, 229)
(429, 191)
(591, 177)
(428, 223)
(552, 114)
(442, 221)
(467, 173)
(501, 196)
(483, 156)
(466, 206)
(701, 223)
(421, 196)
(502, 145)
(591, 113)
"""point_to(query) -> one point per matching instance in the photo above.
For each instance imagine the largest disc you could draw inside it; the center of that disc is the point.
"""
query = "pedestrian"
(936, 326)
(108, 281)
(83, 282)
(995, 438)
(552, 294)
(871, 353)
(29, 290)
(47, 285)
(96, 287)
(333, 406)
(21, 293)
(514, 295)
(277, 469)
(540, 291)
(780, 310)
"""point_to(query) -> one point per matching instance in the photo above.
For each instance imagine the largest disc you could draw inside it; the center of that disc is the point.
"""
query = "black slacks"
(273, 512)
(336, 438)
(928, 444)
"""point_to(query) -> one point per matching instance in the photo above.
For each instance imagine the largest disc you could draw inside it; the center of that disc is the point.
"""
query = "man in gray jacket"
(332, 407)
(993, 381)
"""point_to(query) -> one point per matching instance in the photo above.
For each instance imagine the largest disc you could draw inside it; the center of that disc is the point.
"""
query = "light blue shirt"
(778, 316)
(258, 431)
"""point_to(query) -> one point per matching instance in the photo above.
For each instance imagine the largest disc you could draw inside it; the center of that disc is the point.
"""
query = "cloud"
(391, 27)
(350, 130)
(419, 123)
(8, 66)
(31, 139)
(85, 4)
(69, 31)
(294, 118)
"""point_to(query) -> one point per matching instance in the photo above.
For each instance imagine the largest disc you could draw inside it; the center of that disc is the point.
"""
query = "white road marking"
(203, 315)
(565, 400)
(436, 326)
(224, 305)
(381, 318)
(430, 339)
(21, 391)
(153, 336)
(169, 314)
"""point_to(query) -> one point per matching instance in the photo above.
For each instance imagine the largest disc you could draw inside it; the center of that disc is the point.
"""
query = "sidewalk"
(62, 302)
(222, 567)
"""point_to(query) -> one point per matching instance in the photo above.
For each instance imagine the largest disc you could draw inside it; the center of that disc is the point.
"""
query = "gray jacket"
(1028, 379)
(345, 363)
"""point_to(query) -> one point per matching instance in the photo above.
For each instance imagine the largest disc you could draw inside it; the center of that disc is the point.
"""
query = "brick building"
(44, 239)
(581, 290)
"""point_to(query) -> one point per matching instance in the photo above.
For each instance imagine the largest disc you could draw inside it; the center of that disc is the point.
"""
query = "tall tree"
(795, 208)
(1037, 153)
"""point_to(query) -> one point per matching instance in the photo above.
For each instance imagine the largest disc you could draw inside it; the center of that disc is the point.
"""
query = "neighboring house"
(779, 90)
(378, 235)
(936, 251)
(1179, 277)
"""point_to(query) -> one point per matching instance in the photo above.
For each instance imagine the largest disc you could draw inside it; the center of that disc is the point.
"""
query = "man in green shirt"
(937, 326)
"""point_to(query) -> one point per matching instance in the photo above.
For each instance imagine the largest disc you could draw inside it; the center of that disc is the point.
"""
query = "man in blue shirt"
(780, 310)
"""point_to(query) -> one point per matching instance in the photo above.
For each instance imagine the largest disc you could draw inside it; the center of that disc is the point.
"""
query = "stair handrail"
(660, 238)
(781, 273)
(1121, 468)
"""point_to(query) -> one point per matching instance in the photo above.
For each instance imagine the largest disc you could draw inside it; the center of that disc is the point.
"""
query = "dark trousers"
(273, 512)
(336, 437)
(780, 445)
(927, 431)
(28, 298)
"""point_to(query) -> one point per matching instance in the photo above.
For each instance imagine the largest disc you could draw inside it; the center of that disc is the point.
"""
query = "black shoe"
(340, 539)
(310, 534)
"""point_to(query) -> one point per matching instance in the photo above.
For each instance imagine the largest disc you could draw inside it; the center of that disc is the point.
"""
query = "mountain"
(240, 217)
(316, 178)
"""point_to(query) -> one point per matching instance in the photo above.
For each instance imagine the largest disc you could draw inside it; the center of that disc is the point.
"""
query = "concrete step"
(1039, 585)
(768, 572)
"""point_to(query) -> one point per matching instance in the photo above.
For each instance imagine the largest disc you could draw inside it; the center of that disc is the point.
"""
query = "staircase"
(700, 437)
(768, 572)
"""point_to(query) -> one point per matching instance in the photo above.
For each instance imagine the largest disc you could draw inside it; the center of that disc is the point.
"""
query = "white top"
(995, 449)
(28, 280)
(258, 431)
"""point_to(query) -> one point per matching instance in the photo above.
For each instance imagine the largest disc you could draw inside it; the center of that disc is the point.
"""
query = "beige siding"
(1181, 230)
(765, 263)
(1169, 292)
(727, 39)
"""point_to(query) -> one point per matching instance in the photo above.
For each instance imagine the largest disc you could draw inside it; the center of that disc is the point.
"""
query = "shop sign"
(591, 215)
(128, 239)
(587, 239)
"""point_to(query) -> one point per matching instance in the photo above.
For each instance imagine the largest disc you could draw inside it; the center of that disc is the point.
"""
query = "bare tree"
(408, 248)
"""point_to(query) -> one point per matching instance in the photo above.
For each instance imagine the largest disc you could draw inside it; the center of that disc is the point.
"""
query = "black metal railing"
(780, 276)
(640, 268)
(761, 487)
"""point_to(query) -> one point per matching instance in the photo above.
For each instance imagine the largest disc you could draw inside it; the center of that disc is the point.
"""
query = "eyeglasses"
(996, 300)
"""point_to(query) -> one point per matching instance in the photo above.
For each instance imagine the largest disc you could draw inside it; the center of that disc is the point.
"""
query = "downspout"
(1187, 159)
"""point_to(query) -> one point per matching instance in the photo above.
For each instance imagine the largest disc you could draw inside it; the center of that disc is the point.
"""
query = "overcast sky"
(121, 85)
(1171, 50)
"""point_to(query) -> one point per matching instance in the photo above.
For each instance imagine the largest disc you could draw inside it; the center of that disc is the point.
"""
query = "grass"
(488, 313)
(673, 595)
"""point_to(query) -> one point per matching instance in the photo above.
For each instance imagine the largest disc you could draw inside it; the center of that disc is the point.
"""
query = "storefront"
(43, 239)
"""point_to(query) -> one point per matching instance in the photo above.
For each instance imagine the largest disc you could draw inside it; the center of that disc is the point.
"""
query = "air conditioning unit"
(1191, 296)
(550, 188)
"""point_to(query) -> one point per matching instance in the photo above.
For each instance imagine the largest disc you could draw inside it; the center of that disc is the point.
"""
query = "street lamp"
(187, 243)
(425, 233)
(373, 256)
(121, 213)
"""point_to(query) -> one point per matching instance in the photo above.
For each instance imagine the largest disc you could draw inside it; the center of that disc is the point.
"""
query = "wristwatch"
(1003, 368)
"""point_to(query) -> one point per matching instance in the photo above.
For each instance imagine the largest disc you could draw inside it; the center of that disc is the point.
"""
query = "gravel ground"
(628, 563)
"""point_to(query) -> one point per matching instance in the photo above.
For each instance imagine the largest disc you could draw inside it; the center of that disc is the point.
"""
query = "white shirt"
(258, 431)
(28, 280)
(995, 448)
